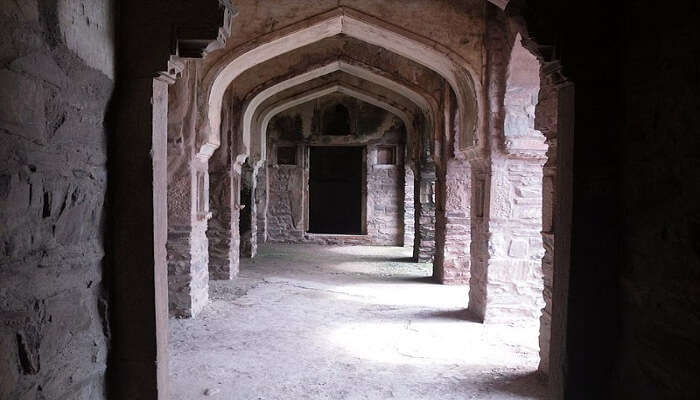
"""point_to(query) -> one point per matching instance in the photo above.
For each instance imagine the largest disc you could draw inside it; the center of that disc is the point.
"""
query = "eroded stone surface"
(54, 303)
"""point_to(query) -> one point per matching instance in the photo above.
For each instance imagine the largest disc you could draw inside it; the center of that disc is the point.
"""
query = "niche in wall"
(386, 155)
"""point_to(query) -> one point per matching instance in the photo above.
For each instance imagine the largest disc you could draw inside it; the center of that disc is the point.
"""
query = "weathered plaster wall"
(56, 80)
(288, 185)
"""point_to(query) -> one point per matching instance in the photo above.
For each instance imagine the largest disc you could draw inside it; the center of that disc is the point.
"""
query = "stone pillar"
(138, 193)
(546, 120)
(187, 250)
(187, 253)
(248, 215)
(453, 229)
(514, 282)
(409, 210)
(506, 281)
(261, 203)
(424, 200)
(480, 183)
(224, 241)
(225, 181)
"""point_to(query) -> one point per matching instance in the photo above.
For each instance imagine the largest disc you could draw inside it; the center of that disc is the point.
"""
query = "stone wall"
(385, 195)
(287, 216)
(56, 80)
(658, 280)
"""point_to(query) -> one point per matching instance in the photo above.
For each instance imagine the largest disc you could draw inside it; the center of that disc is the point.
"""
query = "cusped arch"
(258, 139)
(454, 69)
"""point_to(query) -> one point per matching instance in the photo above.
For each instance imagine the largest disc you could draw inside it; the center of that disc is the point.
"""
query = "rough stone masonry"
(56, 80)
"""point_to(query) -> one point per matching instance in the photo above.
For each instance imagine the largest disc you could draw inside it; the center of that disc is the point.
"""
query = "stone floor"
(312, 322)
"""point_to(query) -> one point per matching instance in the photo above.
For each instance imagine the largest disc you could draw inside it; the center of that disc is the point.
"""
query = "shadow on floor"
(457, 315)
(413, 279)
(407, 260)
(529, 385)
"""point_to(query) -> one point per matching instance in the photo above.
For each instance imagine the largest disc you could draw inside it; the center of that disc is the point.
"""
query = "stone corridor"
(332, 322)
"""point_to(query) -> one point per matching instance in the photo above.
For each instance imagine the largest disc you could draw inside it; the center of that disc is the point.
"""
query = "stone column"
(424, 192)
(225, 177)
(453, 230)
(187, 253)
(248, 215)
(224, 241)
(546, 120)
(138, 193)
(514, 282)
(188, 274)
(261, 203)
(409, 210)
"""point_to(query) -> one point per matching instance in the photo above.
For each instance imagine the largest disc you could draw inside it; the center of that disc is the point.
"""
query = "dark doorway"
(335, 190)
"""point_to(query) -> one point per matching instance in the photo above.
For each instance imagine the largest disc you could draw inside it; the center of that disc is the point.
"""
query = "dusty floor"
(311, 322)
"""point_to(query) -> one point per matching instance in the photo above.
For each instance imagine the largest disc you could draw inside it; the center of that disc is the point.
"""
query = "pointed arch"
(257, 138)
(454, 69)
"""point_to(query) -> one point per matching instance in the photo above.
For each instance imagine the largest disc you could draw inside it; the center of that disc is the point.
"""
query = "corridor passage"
(331, 322)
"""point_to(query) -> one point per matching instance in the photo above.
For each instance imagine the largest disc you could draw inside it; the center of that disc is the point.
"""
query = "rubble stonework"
(507, 283)
(452, 255)
(424, 202)
(56, 82)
